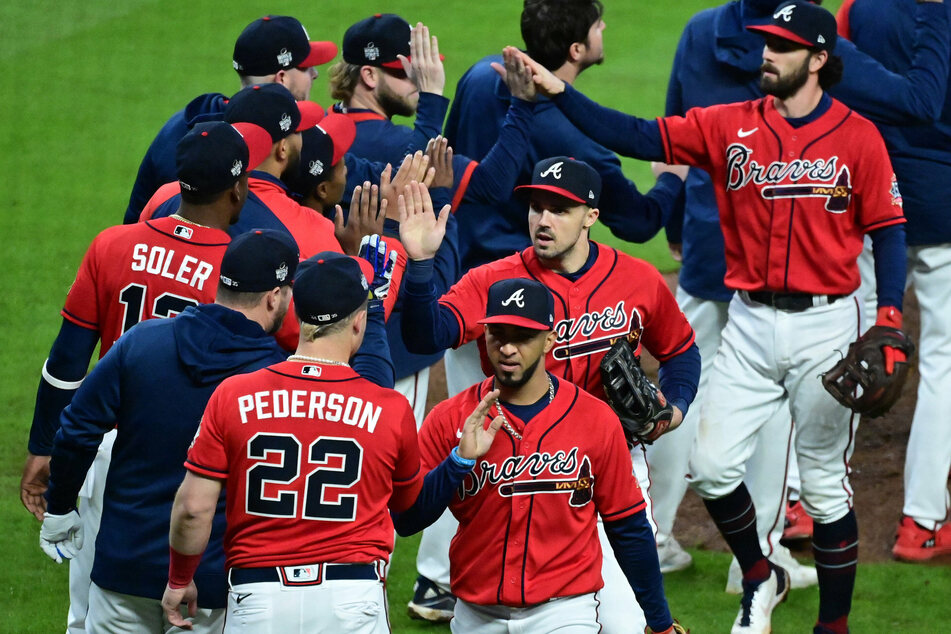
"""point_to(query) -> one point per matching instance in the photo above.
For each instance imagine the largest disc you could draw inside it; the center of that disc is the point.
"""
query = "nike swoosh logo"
(745, 133)
(242, 597)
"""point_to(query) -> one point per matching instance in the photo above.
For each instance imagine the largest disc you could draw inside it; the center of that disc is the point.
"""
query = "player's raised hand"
(476, 437)
(175, 597)
(424, 67)
(61, 536)
(440, 158)
(367, 213)
(33, 484)
(517, 75)
(421, 230)
(545, 81)
(415, 167)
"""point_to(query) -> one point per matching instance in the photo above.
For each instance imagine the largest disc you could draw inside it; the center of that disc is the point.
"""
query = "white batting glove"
(61, 536)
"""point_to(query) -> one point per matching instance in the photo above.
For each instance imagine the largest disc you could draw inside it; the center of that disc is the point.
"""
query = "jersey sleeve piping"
(687, 342)
(459, 319)
(205, 471)
(409, 479)
(894, 220)
(79, 321)
(463, 185)
(631, 510)
(665, 137)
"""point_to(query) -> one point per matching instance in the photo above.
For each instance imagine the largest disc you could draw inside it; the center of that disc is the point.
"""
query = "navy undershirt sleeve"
(633, 543)
(619, 132)
(494, 178)
(427, 325)
(372, 361)
(438, 487)
(888, 247)
(68, 360)
(679, 376)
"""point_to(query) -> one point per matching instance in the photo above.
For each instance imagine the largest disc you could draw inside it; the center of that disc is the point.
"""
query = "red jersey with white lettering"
(794, 203)
(528, 511)
(313, 456)
(151, 269)
(619, 296)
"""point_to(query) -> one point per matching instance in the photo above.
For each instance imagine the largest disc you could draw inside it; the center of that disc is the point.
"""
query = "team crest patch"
(896, 195)
(284, 58)
(316, 168)
(237, 167)
(285, 122)
(183, 232)
(371, 51)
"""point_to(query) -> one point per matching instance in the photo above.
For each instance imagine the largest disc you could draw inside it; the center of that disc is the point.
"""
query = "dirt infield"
(877, 468)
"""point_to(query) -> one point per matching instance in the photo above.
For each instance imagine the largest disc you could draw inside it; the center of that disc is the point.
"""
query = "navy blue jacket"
(490, 231)
(718, 60)
(153, 385)
(921, 154)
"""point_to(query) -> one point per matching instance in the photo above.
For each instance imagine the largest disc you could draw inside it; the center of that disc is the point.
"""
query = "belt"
(790, 302)
(303, 574)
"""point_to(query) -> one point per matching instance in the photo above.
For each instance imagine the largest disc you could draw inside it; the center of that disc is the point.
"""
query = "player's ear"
(320, 192)
(549, 341)
(817, 60)
(576, 51)
(591, 216)
(369, 76)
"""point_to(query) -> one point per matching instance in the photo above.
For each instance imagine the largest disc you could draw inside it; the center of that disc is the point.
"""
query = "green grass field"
(87, 86)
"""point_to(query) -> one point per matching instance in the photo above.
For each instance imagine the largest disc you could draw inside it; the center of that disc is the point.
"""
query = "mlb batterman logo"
(183, 232)
(310, 370)
(285, 122)
(284, 58)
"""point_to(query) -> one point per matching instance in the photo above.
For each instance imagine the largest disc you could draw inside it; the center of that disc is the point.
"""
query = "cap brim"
(398, 65)
(778, 31)
(342, 131)
(258, 141)
(556, 190)
(310, 114)
(320, 53)
(515, 320)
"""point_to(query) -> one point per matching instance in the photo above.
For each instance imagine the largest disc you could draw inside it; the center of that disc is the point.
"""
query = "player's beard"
(392, 104)
(508, 380)
(784, 87)
(292, 169)
(278, 318)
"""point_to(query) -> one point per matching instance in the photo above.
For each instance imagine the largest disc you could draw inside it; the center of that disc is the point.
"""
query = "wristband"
(181, 568)
(888, 316)
(459, 460)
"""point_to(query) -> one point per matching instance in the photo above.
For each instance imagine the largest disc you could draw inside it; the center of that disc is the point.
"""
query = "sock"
(836, 548)
(735, 517)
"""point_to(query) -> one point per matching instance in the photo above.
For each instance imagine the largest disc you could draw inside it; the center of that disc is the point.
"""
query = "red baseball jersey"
(620, 296)
(528, 511)
(794, 202)
(313, 455)
(135, 272)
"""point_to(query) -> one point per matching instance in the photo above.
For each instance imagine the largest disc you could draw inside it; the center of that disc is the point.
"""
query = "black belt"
(304, 574)
(791, 302)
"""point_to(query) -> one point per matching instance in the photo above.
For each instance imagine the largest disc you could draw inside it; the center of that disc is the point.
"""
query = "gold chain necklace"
(505, 423)
(187, 221)
(304, 357)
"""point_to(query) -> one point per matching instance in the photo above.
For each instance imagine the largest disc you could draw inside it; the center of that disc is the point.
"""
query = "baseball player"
(129, 274)
(596, 302)
(312, 455)
(718, 61)
(920, 156)
(794, 173)
(190, 355)
(272, 49)
(526, 554)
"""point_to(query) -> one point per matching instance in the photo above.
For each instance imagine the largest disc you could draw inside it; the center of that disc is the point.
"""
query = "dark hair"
(550, 27)
(238, 299)
(831, 72)
(201, 198)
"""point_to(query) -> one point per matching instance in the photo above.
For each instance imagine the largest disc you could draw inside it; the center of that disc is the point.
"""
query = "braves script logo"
(785, 13)
(575, 333)
(516, 297)
(579, 483)
(553, 170)
(828, 180)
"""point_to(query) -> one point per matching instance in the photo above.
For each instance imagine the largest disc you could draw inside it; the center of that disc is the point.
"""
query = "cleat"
(758, 602)
(913, 543)
(430, 602)
(672, 556)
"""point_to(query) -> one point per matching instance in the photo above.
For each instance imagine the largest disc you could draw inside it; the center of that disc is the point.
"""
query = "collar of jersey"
(270, 179)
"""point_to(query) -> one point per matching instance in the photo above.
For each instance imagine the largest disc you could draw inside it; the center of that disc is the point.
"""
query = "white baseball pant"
(116, 613)
(565, 615)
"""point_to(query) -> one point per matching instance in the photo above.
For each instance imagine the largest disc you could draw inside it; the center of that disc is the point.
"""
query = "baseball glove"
(644, 412)
(860, 380)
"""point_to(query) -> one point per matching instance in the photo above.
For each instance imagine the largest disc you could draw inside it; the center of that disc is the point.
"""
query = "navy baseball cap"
(328, 287)
(278, 42)
(273, 107)
(259, 260)
(322, 148)
(802, 22)
(575, 180)
(520, 302)
(214, 155)
(378, 41)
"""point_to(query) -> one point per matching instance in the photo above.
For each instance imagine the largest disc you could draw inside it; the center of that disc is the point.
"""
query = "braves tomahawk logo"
(783, 179)
(573, 336)
(579, 483)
